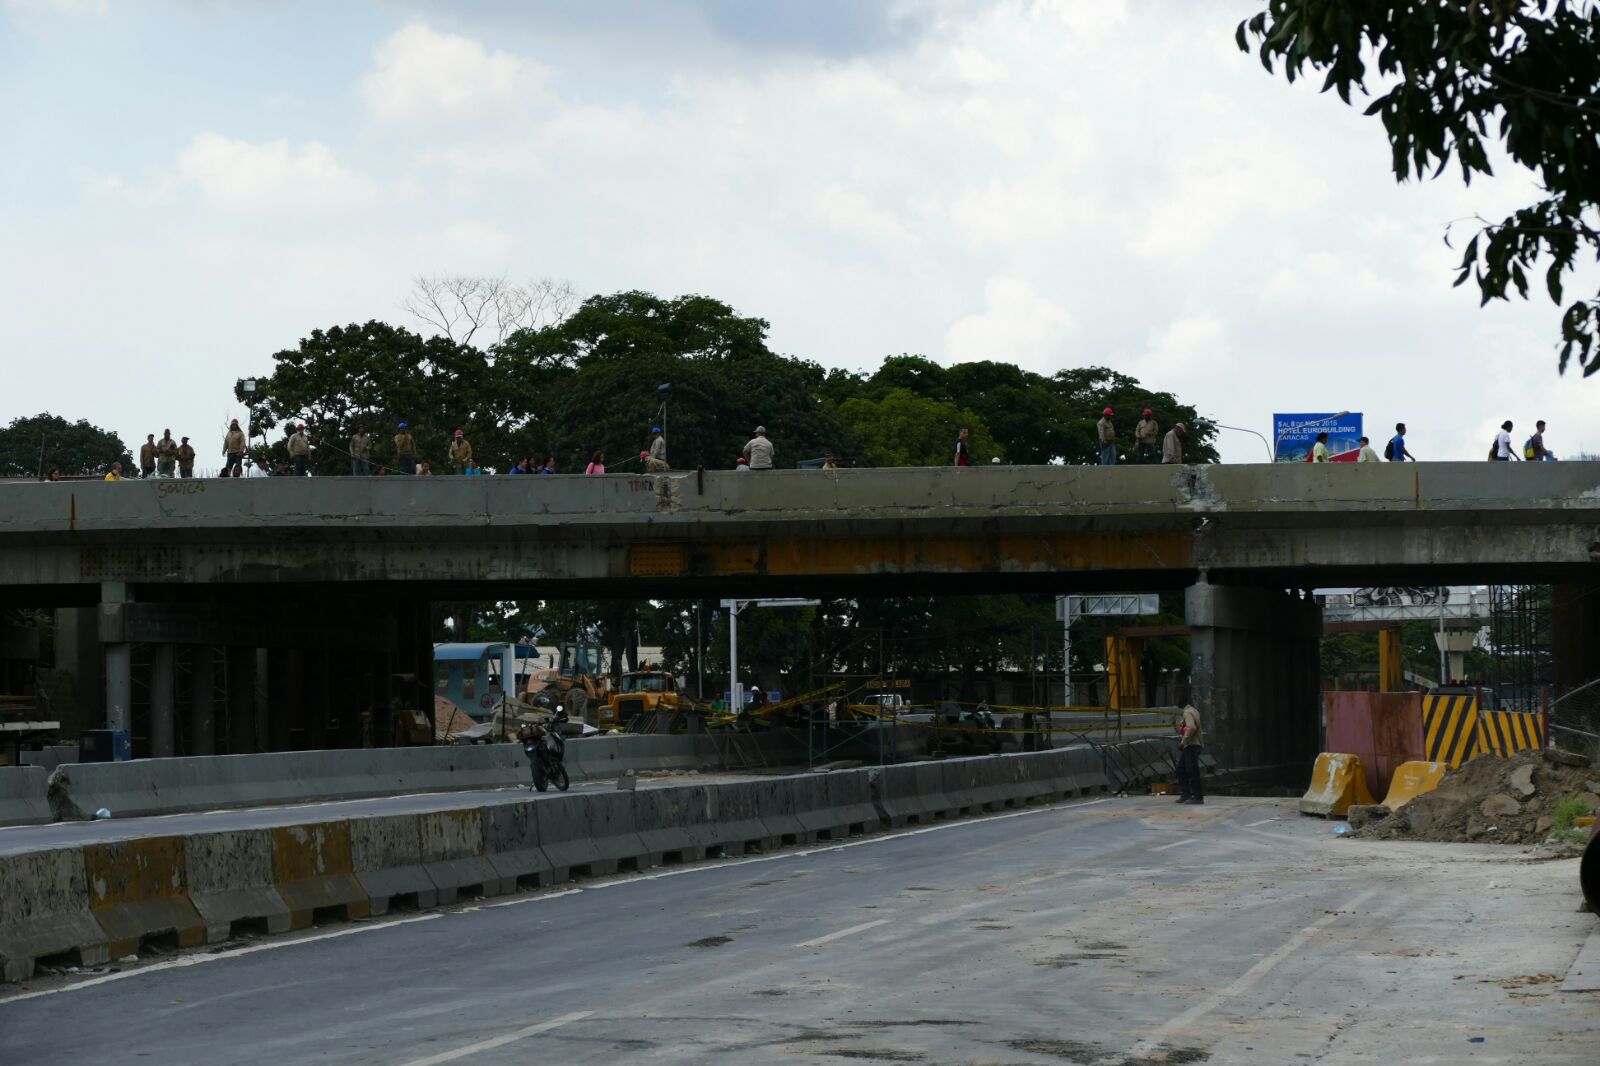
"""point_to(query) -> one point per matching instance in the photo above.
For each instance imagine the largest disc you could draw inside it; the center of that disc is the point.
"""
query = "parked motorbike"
(546, 750)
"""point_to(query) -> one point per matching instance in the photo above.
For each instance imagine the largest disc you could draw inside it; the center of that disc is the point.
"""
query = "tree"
(461, 306)
(29, 447)
(1452, 75)
(901, 428)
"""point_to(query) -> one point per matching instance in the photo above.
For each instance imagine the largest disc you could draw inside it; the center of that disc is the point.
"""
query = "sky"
(188, 186)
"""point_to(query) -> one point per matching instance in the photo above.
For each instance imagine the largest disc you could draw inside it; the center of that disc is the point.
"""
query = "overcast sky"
(188, 187)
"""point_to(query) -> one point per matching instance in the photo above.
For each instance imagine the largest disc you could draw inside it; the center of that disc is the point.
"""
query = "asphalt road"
(1107, 932)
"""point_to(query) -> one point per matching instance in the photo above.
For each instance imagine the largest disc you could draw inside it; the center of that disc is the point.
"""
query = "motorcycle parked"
(546, 750)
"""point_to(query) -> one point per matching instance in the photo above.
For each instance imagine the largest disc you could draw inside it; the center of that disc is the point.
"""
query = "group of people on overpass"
(1146, 434)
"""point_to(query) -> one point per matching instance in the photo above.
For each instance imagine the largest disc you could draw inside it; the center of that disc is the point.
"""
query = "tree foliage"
(30, 446)
(901, 428)
(1451, 76)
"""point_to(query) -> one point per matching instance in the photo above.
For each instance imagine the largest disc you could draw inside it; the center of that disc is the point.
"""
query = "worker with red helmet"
(1107, 433)
(1147, 434)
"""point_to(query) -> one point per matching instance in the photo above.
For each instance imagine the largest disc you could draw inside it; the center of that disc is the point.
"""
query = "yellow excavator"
(576, 683)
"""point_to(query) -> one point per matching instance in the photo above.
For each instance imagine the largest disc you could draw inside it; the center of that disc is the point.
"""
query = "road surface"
(1108, 932)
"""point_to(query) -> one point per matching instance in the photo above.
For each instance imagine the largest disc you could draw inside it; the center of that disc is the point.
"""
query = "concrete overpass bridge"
(338, 570)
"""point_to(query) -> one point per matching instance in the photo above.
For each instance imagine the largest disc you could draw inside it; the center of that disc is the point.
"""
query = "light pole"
(1241, 429)
(1303, 425)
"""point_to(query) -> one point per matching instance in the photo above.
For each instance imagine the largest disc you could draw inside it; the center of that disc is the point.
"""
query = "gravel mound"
(1490, 801)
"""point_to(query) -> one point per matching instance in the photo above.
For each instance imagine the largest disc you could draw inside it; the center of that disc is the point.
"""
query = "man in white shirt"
(1368, 455)
(257, 470)
(759, 450)
(1503, 451)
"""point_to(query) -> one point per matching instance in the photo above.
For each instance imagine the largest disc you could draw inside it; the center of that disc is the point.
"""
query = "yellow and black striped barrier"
(1508, 732)
(1450, 729)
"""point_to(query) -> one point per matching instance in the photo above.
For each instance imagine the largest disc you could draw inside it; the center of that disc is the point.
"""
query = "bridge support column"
(241, 701)
(118, 658)
(316, 673)
(1391, 661)
(202, 702)
(1254, 675)
(163, 701)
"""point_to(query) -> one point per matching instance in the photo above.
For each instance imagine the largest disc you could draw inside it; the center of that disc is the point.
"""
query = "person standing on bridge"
(656, 457)
(405, 451)
(299, 449)
(1368, 455)
(1395, 450)
(233, 451)
(147, 456)
(361, 453)
(185, 459)
(115, 473)
(1106, 431)
(759, 450)
(1147, 434)
(460, 453)
(1172, 446)
(166, 454)
(1503, 451)
(597, 464)
(1535, 448)
(1191, 740)
(1319, 450)
(963, 456)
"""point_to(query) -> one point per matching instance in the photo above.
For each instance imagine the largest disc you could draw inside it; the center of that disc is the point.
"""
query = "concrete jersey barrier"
(22, 795)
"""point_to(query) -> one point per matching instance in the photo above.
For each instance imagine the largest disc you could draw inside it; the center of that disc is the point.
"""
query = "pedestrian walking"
(1395, 451)
(166, 454)
(460, 453)
(1147, 435)
(963, 456)
(1319, 450)
(1503, 452)
(361, 453)
(1191, 741)
(656, 457)
(1534, 449)
(258, 468)
(597, 464)
(759, 450)
(1106, 432)
(233, 451)
(422, 469)
(1172, 445)
(549, 466)
(1368, 454)
(147, 456)
(405, 451)
(299, 449)
(186, 459)
(54, 474)
(743, 465)
(829, 462)
(115, 473)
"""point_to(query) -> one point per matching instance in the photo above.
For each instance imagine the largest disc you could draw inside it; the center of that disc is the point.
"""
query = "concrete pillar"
(241, 701)
(1255, 673)
(316, 667)
(1391, 661)
(1575, 635)
(202, 702)
(263, 700)
(163, 701)
(118, 660)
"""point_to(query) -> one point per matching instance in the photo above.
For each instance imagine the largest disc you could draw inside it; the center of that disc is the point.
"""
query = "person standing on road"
(1395, 450)
(1172, 445)
(656, 457)
(405, 451)
(1191, 740)
(233, 451)
(166, 454)
(361, 453)
(1368, 455)
(1147, 435)
(1319, 450)
(1106, 432)
(147, 456)
(1503, 452)
(460, 453)
(299, 449)
(185, 459)
(759, 450)
(963, 456)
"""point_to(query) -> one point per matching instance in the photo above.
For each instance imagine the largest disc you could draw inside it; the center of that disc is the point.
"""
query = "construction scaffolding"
(1520, 637)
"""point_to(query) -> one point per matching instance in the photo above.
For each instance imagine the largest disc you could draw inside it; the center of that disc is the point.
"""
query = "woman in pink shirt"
(597, 465)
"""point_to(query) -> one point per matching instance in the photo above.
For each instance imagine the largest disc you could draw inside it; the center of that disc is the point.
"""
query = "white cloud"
(235, 173)
(420, 73)
(1017, 325)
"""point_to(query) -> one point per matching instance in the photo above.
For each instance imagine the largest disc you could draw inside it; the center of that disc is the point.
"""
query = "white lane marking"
(1264, 821)
(197, 960)
(1246, 981)
(525, 899)
(676, 871)
(821, 940)
(500, 1041)
(1175, 844)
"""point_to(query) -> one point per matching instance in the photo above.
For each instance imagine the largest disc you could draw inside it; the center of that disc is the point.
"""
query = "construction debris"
(1489, 800)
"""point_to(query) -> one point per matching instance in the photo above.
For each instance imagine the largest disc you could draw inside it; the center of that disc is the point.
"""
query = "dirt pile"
(1492, 801)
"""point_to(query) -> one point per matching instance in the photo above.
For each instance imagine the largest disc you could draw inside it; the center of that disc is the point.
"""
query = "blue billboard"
(1295, 434)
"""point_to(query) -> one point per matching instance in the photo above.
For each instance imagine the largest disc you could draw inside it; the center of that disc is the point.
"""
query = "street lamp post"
(1241, 429)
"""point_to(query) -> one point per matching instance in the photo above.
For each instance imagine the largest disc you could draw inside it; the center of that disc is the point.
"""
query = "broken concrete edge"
(89, 902)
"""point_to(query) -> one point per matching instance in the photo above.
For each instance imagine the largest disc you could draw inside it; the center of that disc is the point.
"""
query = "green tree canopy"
(901, 428)
(1451, 76)
(30, 446)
